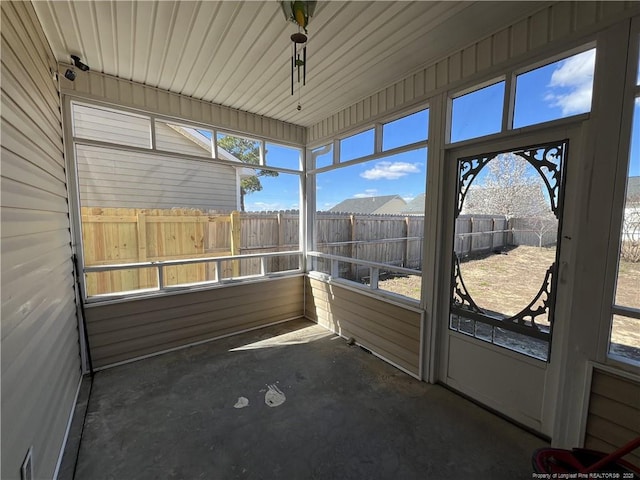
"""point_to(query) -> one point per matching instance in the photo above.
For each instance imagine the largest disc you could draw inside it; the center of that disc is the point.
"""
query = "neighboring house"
(633, 191)
(389, 204)
(415, 206)
(109, 177)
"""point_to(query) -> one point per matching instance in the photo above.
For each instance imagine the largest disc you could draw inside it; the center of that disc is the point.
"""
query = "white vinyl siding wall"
(119, 179)
(169, 139)
(40, 353)
(115, 178)
(113, 127)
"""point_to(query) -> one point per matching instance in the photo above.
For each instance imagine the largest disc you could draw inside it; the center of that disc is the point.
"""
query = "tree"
(630, 248)
(510, 187)
(247, 151)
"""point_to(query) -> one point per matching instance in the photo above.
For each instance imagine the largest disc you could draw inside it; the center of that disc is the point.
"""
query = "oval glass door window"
(505, 241)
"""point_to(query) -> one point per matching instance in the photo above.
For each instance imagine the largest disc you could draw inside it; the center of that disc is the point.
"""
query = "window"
(356, 146)
(477, 113)
(185, 221)
(370, 214)
(282, 156)
(557, 90)
(505, 247)
(190, 140)
(625, 337)
(323, 156)
(406, 130)
(107, 125)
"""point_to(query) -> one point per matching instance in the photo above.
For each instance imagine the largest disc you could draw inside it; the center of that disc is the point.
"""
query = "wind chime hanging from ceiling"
(299, 13)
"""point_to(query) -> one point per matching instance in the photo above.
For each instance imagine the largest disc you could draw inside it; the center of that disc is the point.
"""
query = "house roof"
(415, 206)
(379, 204)
(205, 143)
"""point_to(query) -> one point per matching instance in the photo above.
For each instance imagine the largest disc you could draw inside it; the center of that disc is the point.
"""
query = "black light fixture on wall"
(298, 12)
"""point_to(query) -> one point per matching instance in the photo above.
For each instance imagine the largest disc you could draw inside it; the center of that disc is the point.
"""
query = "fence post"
(354, 247)
(235, 242)
(141, 229)
(279, 261)
(405, 257)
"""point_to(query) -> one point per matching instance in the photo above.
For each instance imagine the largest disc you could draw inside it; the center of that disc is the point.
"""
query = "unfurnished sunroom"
(452, 186)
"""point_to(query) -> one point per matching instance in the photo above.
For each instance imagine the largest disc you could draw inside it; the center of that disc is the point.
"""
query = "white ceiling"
(237, 53)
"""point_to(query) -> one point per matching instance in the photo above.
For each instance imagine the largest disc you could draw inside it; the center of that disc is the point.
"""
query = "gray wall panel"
(387, 329)
(127, 330)
(614, 413)
(40, 356)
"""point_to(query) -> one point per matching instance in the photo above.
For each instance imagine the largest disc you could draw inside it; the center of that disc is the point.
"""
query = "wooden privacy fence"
(390, 239)
(477, 234)
(126, 235)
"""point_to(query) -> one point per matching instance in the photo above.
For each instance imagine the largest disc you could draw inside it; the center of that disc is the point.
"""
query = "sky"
(554, 91)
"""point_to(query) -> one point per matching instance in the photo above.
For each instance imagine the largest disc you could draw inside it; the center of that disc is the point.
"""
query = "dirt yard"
(509, 281)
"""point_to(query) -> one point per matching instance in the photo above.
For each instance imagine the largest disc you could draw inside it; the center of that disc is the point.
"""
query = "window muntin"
(406, 130)
(357, 146)
(166, 208)
(554, 91)
(477, 113)
(107, 125)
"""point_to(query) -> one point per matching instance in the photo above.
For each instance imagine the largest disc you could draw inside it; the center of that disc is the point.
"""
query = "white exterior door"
(505, 304)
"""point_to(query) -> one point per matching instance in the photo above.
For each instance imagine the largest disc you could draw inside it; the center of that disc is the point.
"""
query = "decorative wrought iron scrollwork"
(548, 160)
(540, 305)
(460, 295)
(468, 169)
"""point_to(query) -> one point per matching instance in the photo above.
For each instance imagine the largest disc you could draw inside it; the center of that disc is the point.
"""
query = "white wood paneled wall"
(560, 21)
(105, 88)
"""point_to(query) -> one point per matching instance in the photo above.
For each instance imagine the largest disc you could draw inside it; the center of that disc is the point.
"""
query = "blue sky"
(554, 91)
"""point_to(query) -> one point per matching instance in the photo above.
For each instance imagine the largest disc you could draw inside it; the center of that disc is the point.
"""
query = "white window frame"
(75, 208)
(632, 92)
(508, 106)
(311, 248)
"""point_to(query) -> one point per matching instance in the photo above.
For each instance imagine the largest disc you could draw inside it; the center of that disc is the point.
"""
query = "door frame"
(537, 411)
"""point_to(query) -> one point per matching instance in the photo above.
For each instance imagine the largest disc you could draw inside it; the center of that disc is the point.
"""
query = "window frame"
(508, 105)
(69, 100)
(311, 254)
(631, 95)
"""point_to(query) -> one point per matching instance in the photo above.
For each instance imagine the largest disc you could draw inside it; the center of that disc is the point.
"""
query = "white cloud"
(369, 192)
(408, 198)
(390, 170)
(574, 78)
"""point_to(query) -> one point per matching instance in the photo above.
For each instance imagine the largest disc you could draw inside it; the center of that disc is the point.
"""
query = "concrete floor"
(337, 412)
